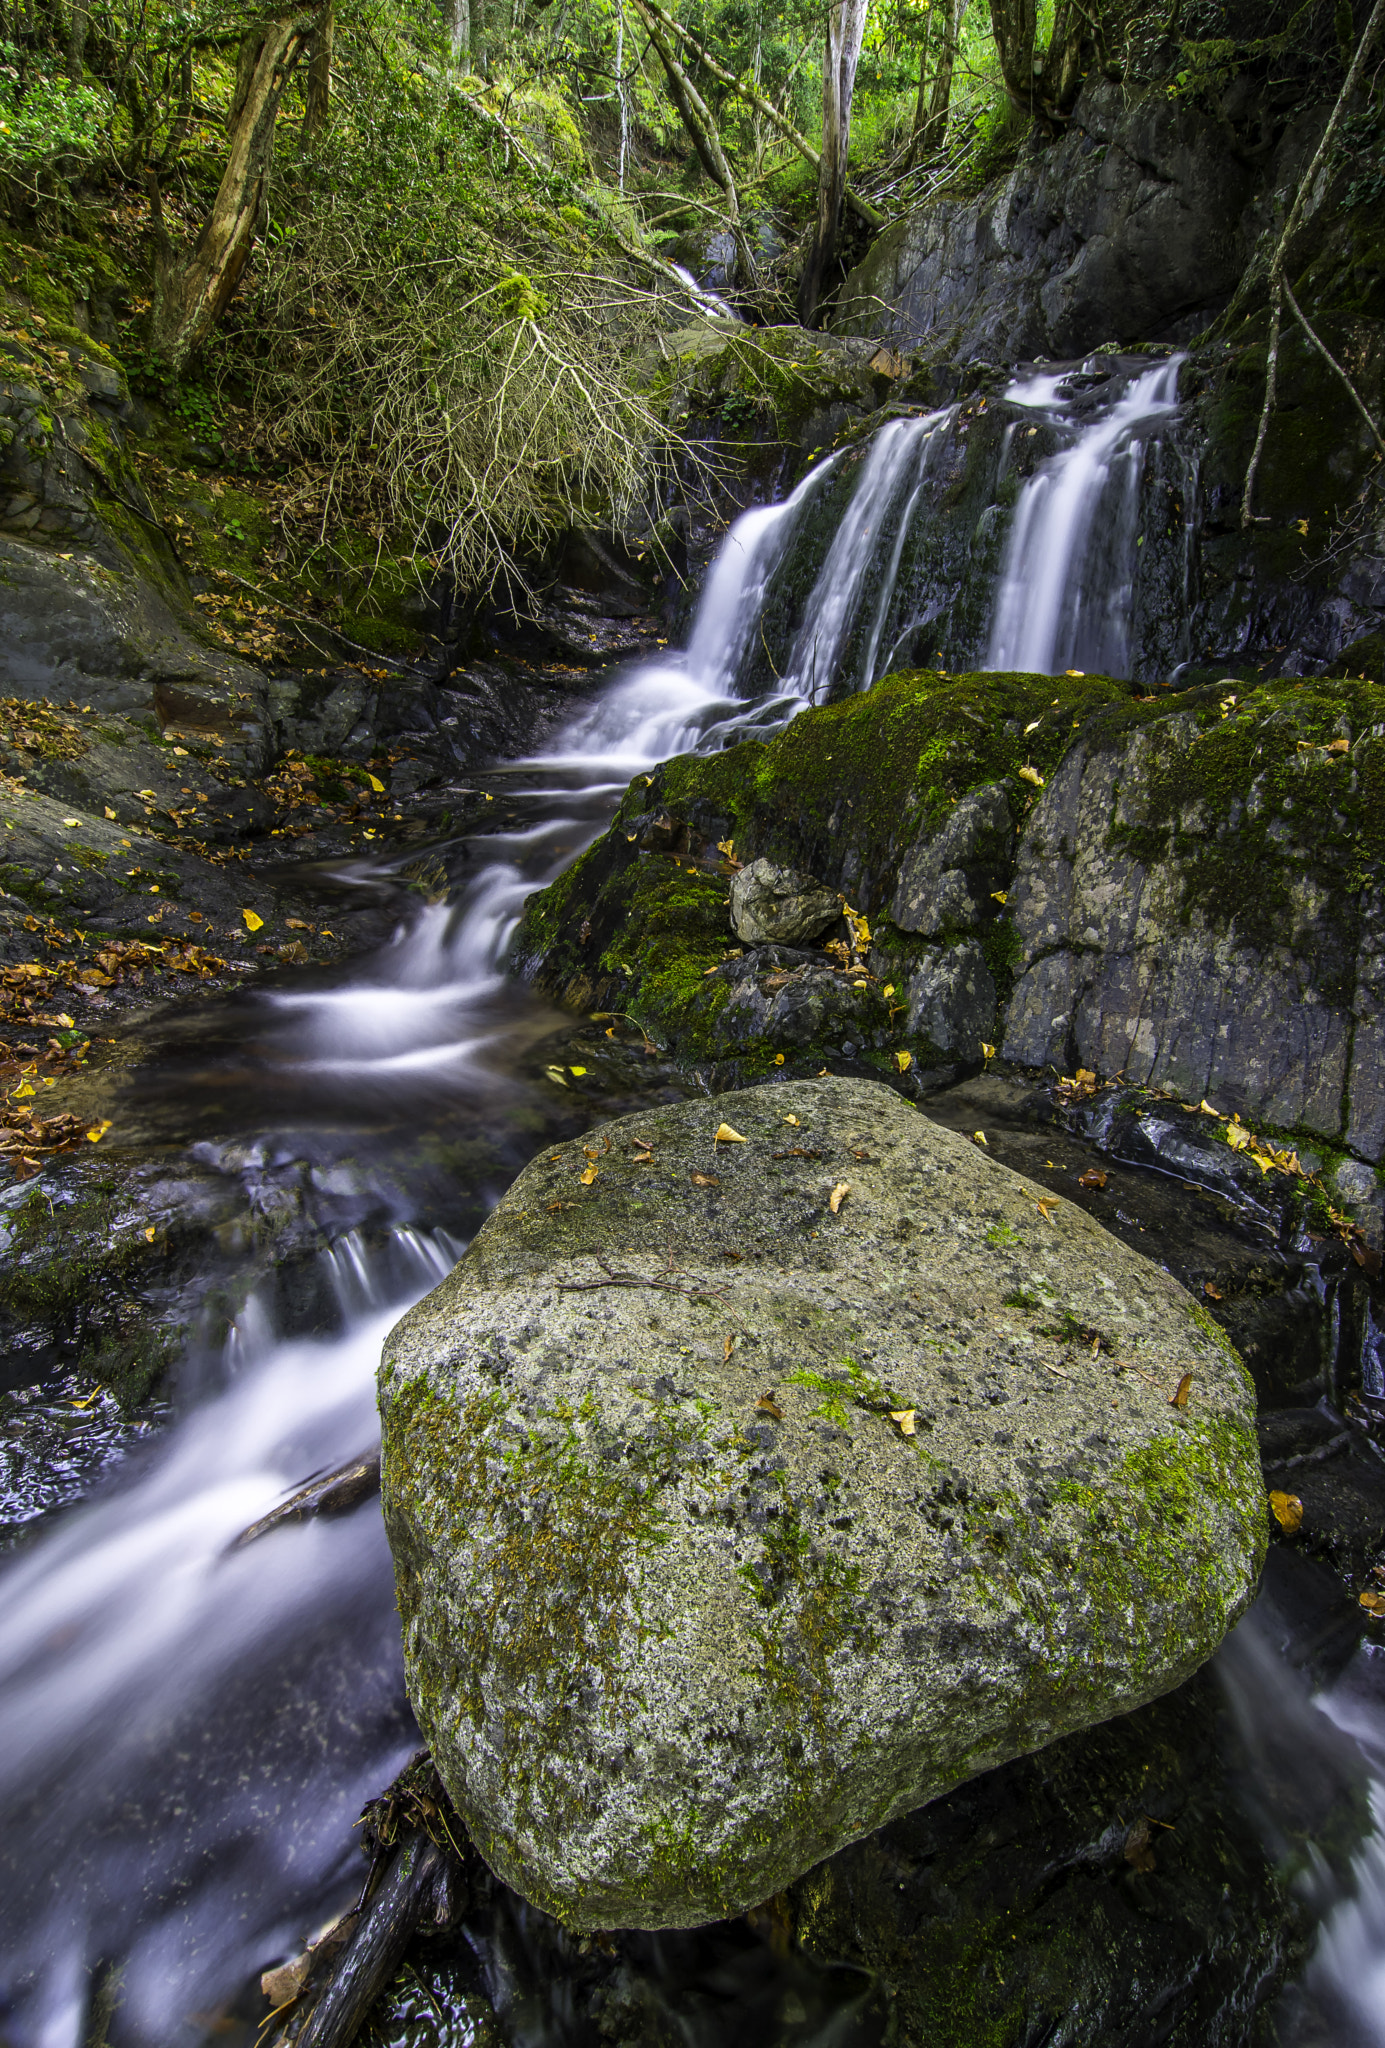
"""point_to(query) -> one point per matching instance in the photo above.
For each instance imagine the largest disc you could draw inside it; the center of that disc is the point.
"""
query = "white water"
(1066, 589)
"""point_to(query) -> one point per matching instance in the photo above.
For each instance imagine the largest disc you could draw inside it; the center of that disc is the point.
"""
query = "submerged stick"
(410, 1888)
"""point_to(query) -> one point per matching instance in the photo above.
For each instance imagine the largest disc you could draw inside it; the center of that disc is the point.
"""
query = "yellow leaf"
(905, 1418)
(590, 1175)
(1034, 723)
(1000, 895)
(904, 1060)
(98, 1131)
(253, 922)
(1205, 1108)
(1179, 1397)
(72, 821)
(1046, 1205)
(556, 1074)
(838, 1195)
(1287, 1510)
(988, 1051)
(109, 812)
(1373, 1602)
(577, 1070)
(376, 784)
(792, 1120)
(1083, 1076)
(1338, 746)
(1074, 671)
(725, 1135)
(149, 1234)
(979, 1138)
(1237, 1137)
(1030, 774)
(779, 1059)
(25, 1088)
(888, 989)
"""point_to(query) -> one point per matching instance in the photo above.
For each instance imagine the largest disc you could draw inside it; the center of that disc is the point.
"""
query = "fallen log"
(335, 1493)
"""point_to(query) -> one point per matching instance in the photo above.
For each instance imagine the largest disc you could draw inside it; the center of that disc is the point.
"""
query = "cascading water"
(1066, 595)
(189, 1728)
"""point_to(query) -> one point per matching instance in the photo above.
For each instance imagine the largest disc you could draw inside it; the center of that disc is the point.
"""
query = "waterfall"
(1066, 595)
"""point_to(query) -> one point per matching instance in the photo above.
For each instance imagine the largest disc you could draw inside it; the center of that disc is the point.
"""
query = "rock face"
(1188, 892)
(770, 904)
(1138, 219)
(728, 1525)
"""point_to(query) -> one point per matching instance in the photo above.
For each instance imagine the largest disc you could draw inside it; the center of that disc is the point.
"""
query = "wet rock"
(728, 1524)
(1360, 1188)
(771, 904)
(946, 884)
(952, 999)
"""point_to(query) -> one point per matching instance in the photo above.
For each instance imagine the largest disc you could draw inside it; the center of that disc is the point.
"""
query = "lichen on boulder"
(773, 1463)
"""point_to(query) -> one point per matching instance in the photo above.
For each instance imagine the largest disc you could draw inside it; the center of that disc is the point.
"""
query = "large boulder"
(746, 1490)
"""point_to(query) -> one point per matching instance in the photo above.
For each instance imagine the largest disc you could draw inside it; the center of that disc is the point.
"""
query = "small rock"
(773, 904)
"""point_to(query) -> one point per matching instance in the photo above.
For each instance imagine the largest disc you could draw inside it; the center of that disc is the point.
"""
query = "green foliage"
(44, 117)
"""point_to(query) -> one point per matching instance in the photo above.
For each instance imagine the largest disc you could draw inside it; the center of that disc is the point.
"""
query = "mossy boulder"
(747, 1491)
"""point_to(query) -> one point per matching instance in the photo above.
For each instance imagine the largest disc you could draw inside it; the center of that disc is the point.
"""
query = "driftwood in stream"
(334, 1493)
(417, 1883)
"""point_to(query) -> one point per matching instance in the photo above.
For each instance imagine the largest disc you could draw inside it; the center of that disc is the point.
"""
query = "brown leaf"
(1046, 1205)
(1287, 1510)
(726, 1136)
(1212, 1293)
(838, 1195)
(706, 1180)
(767, 1405)
(905, 1418)
(1179, 1397)
(732, 1341)
(1091, 1178)
(1373, 1602)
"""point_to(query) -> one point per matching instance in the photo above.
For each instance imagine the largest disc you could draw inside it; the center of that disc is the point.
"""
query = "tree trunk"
(921, 103)
(846, 27)
(459, 31)
(192, 288)
(1045, 83)
(77, 40)
(319, 99)
(934, 130)
(652, 11)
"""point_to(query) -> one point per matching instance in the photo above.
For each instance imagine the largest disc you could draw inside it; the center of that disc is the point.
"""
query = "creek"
(191, 1726)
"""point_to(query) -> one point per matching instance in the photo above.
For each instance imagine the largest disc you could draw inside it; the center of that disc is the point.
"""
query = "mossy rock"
(735, 1509)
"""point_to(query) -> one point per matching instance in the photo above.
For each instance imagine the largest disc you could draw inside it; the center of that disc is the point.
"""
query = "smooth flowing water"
(188, 1728)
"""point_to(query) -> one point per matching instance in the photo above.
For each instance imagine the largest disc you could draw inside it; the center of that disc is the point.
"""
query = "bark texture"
(846, 26)
(1043, 83)
(192, 288)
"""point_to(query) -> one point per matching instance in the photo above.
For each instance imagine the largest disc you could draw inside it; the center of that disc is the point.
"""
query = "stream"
(191, 1727)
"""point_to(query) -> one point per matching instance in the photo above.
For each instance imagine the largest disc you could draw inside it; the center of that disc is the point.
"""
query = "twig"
(614, 1279)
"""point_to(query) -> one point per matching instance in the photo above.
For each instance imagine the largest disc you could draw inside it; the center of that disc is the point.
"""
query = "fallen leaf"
(1034, 723)
(705, 972)
(779, 1059)
(1046, 1205)
(1092, 1178)
(888, 989)
(725, 1135)
(376, 784)
(1237, 1137)
(644, 1159)
(298, 924)
(731, 1343)
(838, 1195)
(1205, 1108)
(987, 1051)
(1338, 747)
(903, 1061)
(577, 1070)
(72, 821)
(768, 1406)
(253, 923)
(792, 1120)
(556, 1074)
(978, 1138)
(905, 1418)
(590, 1175)
(1000, 895)
(98, 1131)
(149, 1233)
(1028, 774)
(109, 812)
(1212, 1293)
(1373, 1602)
(1287, 1510)
(706, 1180)
(1179, 1397)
